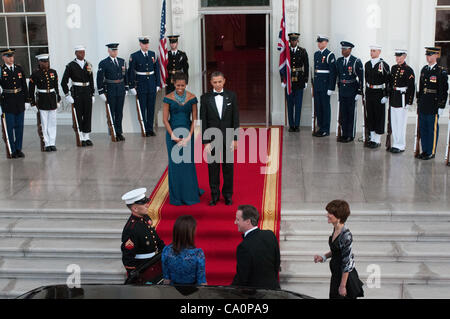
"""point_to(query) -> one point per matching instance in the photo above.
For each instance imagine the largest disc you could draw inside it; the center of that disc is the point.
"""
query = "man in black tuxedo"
(258, 255)
(219, 111)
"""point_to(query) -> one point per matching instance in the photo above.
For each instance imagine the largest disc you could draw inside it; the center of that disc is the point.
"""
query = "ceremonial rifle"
(313, 113)
(447, 151)
(389, 130)
(5, 137)
(76, 127)
(417, 136)
(140, 119)
(110, 121)
(366, 133)
(338, 121)
(39, 124)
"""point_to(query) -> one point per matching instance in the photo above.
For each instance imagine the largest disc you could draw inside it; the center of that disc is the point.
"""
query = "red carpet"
(217, 234)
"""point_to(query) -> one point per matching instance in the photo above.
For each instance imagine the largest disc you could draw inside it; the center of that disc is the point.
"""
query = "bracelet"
(324, 258)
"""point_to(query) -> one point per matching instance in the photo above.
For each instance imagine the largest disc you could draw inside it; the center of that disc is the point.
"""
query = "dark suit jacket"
(258, 261)
(210, 116)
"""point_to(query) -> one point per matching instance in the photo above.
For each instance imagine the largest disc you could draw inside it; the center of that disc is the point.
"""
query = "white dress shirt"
(174, 52)
(115, 61)
(219, 102)
(81, 63)
(144, 53)
(430, 67)
(249, 231)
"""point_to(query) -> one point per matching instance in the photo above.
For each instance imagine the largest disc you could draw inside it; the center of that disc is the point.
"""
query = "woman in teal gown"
(178, 108)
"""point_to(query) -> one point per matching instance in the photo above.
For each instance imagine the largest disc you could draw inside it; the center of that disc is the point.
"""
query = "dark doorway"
(235, 44)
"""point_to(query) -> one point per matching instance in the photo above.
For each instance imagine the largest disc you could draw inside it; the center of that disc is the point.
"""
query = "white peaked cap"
(376, 47)
(44, 56)
(134, 195)
(80, 48)
(401, 51)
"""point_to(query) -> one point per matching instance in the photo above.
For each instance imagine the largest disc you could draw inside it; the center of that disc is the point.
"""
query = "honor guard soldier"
(44, 94)
(144, 80)
(14, 101)
(350, 75)
(299, 76)
(81, 92)
(112, 85)
(140, 241)
(431, 100)
(402, 90)
(377, 76)
(178, 62)
(324, 85)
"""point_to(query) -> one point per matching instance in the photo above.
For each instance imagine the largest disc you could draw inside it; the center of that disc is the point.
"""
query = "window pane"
(13, 5)
(443, 25)
(34, 6)
(37, 31)
(17, 31)
(3, 32)
(33, 53)
(21, 58)
(443, 2)
(234, 3)
(445, 54)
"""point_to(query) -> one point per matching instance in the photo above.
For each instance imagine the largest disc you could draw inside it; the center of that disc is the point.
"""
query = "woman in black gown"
(345, 282)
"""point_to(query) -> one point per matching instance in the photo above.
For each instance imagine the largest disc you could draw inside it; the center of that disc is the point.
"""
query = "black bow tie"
(215, 94)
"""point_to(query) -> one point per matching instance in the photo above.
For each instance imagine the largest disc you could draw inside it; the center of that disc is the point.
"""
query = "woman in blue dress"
(179, 106)
(182, 262)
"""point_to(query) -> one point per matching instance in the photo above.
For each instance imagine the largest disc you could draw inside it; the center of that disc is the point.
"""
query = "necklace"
(180, 99)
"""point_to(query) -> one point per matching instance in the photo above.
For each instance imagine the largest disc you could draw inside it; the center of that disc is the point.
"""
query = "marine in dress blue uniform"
(431, 100)
(112, 84)
(299, 78)
(324, 85)
(144, 79)
(14, 99)
(350, 75)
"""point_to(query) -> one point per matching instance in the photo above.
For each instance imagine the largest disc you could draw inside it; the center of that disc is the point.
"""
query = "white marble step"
(388, 291)
(92, 270)
(372, 251)
(60, 248)
(390, 272)
(368, 231)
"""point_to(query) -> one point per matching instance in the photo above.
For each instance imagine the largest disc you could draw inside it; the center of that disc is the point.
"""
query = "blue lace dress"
(187, 267)
(183, 182)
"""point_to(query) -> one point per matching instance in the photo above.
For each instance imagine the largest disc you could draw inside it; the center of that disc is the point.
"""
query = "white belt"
(145, 73)
(46, 91)
(80, 83)
(402, 89)
(370, 86)
(322, 71)
(144, 256)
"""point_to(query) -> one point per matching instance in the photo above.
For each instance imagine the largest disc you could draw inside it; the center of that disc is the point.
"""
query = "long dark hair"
(184, 233)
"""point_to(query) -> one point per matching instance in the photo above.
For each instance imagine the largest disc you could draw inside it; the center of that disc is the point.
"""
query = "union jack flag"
(285, 55)
(162, 50)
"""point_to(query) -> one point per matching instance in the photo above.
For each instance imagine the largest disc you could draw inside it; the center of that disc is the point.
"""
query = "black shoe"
(14, 155)
(395, 150)
(213, 203)
(428, 157)
(53, 148)
(89, 143)
(20, 154)
(346, 140)
(228, 201)
(48, 149)
(297, 129)
(368, 144)
(340, 139)
(152, 133)
(83, 144)
(374, 145)
(120, 137)
(291, 129)
(322, 134)
(421, 155)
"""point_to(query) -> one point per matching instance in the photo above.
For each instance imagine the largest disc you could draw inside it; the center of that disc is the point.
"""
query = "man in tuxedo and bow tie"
(258, 255)
(219, 111)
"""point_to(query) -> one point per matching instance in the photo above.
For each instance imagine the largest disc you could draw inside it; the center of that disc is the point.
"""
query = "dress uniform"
(324, 85)
(140, 241)
(299, 76)
(81, 93)
(44, 93)
(177, 63)
(377, 74)
(112, 84)
(350, 75)
(402, 90)
(14, 99)
(144, 78)
(431, 100)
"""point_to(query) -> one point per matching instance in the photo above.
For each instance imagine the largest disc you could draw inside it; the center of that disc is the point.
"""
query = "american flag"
(162, 50)
(285, 55)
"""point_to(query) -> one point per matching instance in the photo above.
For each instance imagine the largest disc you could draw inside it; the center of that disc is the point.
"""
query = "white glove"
(408, 107)
(133, 92)
(158, 89)
(70, 99)
(102, 97)
(440, 111)
(34, 109)
(306, 85)
(126, 93)
(58, 106)
(330, 92)
(1, 112)
(27, 106)
(283, 85)
(93, 99)
(384, 100)
(357, 97)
